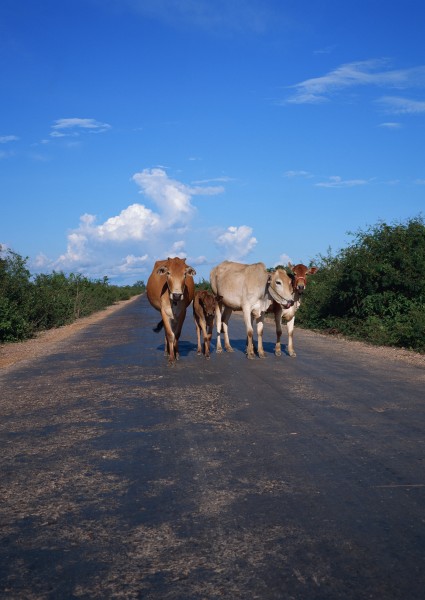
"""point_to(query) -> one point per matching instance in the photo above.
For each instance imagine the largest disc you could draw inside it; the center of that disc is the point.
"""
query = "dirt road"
(268, 479)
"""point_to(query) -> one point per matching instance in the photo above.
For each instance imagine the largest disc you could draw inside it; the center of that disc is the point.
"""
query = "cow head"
(176, 270)
(209, 304)
(280, 288)
(299, 277)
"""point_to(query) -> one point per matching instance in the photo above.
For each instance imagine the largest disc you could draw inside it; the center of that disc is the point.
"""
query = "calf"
(204, 307)
(299, 282)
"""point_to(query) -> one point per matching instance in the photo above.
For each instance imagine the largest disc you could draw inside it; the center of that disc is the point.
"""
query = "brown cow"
(204, 307)
(299, 283)
(170, 289)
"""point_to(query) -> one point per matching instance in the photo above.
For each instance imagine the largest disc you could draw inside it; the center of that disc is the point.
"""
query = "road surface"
(282, 478)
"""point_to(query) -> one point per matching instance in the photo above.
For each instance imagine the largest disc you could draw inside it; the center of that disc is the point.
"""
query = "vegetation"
(373, 290)
(31, 304)
(203, 285)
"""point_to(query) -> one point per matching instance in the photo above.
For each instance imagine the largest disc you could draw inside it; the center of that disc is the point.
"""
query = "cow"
(252, 289)
(204, 307)
(170, 289)
(299, 282)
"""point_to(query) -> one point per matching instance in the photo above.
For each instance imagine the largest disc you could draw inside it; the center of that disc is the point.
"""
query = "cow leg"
(178, 330)
(218, 309)
(205, 339)
(290, 325)
(278, 321)
(170, 341)
(260, 327)
(227, 312)
(208, 341)
(198, 338)
(249, 333)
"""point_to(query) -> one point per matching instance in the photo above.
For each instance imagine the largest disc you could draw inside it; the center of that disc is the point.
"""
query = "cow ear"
(190, 271)
(290, 266)
(162, 271)
(312, 270)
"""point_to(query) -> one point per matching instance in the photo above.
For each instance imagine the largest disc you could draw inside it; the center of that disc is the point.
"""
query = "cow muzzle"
(176, 297)
(284, 302)
(287, 303)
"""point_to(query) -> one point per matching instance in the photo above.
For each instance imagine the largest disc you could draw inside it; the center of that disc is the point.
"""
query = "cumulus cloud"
(136, 223)
(283, 260)
(124, 244)
(236, 242)
(74, 127)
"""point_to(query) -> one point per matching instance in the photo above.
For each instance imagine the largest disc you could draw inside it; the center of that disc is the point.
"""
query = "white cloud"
(172, 197)
(402, 106)
(294, 174)
(214, 17)
(214, 180)
(390, 125)
(373, 72)
(199, 260)
(131, 264)
(74, 126)
(125, 245)
(326, 50)
(337, 182)
(136, 222)
(283, 260)
(236, 242)
(420, 181)
(5, 139)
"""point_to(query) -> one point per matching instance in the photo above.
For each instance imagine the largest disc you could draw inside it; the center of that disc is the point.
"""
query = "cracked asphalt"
(282, 478)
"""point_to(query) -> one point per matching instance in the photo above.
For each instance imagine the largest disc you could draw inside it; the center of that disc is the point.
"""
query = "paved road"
(268, 479)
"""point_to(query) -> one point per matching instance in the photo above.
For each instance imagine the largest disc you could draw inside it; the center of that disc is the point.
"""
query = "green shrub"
(28, 306)
(374, 289)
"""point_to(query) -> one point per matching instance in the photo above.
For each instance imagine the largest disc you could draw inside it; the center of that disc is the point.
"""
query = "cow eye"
(278, 283)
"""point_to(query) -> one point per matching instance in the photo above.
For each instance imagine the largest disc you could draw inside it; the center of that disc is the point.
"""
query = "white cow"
(299, 283)
(252, 289)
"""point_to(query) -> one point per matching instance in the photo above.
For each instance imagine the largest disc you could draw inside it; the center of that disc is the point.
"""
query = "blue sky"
(250, 130)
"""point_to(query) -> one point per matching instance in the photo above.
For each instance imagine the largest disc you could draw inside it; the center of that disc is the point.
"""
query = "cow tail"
(158, 328)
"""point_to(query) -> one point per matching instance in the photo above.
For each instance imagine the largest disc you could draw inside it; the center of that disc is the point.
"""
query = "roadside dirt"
(46, 342)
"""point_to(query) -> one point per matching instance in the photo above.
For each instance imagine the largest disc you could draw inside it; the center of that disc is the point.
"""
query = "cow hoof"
(229, 349)
(262, 356)
(219, 350)
(250, 356)
(207, 356)
(292, 354)
(278, 353)
(199, 353)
